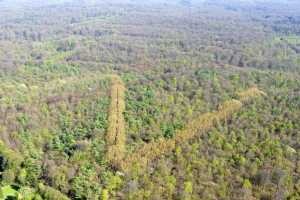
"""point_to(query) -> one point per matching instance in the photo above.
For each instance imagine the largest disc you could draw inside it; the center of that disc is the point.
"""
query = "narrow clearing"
(115, 137)
(152, 151)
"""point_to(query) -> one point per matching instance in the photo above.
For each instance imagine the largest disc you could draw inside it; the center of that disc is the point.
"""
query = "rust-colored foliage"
(203, 123)
(149, 152)
(115, 137)
(250, 93)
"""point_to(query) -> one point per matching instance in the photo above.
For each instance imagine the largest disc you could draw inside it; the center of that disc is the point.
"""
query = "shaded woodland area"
(178, 62)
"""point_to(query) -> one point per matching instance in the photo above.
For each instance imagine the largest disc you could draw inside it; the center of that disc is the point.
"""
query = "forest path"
(200, 125)
(115, 137)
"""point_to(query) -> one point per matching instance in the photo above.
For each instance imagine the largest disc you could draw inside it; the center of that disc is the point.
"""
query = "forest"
(156, 99)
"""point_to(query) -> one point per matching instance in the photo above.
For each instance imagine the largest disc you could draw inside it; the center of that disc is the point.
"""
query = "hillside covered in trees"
(158, 99)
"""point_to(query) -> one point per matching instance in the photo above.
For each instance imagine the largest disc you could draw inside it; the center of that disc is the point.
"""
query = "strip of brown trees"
(115, 138)
(149, 152)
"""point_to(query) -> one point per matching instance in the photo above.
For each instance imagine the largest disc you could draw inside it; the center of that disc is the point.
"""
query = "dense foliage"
(75, 75)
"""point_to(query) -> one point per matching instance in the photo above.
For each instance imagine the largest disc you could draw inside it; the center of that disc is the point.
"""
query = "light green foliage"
(86, 184)
(247, 184)
(188, 187)
(112, 182)
(8, 191)
(104, 195)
